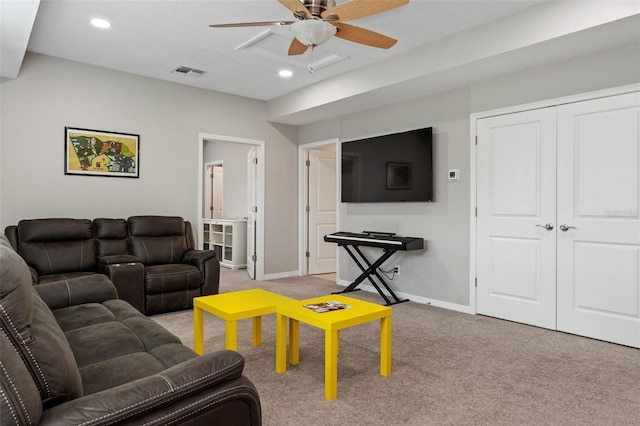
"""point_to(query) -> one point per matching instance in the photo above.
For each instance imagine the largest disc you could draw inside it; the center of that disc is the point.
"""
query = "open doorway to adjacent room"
(231, 201)
(318, 206)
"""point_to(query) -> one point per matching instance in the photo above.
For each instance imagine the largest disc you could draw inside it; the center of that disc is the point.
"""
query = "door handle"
(548, 227)
(565, 228)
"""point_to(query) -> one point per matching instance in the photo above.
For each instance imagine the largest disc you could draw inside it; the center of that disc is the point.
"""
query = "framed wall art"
(99, 153)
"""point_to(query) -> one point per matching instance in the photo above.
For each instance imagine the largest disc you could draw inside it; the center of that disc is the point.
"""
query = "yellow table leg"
(385, 346)
(257, 331)
(198, 331)
(331, 365)
(231, 335)
(281, 343)
(294, 342)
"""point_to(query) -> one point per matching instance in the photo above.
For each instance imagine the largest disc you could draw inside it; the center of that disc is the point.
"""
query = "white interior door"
(252, 203)
(516, 199)
(207, 205)
(213, 191)
(322, 210)
(598, 199)
(217, 206)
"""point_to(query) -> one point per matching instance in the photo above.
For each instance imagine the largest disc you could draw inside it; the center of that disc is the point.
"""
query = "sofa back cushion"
(55, 246)
(157, 240)
(33, 333)
(112, 236)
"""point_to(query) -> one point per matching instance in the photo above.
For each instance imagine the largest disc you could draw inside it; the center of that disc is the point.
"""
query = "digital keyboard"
(384, 241)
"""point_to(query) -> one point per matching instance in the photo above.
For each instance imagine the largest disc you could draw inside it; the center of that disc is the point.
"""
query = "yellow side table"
(331, 322)
(232, 307)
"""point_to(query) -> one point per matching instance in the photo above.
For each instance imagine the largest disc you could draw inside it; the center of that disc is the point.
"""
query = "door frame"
(260, 187)
(473, 118)
(303, 224)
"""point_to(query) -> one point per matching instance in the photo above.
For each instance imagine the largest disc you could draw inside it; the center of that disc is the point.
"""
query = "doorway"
(318, 206)
(233, 152)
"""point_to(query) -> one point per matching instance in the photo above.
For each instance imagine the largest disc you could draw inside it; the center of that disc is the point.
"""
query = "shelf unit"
(228, 237)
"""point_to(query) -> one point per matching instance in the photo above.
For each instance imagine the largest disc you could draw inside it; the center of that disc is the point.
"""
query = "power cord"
(393, 273)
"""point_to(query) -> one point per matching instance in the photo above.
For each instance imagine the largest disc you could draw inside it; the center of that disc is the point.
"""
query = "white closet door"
(516, 198)
(598, 198)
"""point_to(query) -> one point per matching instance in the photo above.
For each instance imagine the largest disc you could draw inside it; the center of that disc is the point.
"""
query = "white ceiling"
(153, 37)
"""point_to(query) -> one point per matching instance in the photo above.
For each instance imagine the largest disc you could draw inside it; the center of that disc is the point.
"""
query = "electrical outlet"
(396, 269)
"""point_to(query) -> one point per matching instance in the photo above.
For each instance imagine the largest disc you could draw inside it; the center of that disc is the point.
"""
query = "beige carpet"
(448, 368)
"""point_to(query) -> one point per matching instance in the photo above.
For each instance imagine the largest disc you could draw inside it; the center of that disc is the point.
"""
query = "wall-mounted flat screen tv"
(389, 168)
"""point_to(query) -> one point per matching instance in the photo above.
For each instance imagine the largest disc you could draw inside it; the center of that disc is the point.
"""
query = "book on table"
(328, 306)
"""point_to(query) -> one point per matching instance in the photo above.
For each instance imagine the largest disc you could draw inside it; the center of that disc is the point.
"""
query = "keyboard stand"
(371, 272)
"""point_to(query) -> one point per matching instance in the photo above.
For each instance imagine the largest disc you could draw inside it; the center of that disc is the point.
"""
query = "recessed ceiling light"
(285, 73)
(100, 23)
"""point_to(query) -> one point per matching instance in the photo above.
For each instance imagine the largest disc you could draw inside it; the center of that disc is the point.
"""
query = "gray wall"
(51, 93)
(441, 273)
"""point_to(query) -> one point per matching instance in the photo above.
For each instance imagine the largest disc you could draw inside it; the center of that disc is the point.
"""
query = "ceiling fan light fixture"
(312, 32)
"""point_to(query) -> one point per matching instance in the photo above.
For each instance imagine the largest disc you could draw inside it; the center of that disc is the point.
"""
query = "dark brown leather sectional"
(72, 353)
(152, 260)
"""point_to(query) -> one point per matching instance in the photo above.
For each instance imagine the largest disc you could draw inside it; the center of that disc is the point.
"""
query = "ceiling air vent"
(188, 72)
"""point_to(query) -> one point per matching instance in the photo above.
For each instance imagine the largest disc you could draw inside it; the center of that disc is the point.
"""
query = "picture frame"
(101, 153)
(399, 176)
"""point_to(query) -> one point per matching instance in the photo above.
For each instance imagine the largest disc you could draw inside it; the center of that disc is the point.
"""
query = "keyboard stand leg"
(370, 272)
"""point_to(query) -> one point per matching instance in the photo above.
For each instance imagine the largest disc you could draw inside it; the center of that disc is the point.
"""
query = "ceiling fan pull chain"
(311, 70)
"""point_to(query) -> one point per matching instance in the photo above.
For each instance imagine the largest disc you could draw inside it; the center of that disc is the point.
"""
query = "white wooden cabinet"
(228, 237)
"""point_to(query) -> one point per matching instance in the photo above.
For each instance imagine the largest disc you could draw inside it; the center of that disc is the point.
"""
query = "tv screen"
(390, 168)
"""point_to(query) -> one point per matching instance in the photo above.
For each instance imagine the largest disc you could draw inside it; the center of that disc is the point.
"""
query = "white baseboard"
(281, 275)
(418, 299)
(369, 288)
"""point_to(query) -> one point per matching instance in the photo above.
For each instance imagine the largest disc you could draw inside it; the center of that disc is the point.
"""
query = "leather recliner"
(174, 273)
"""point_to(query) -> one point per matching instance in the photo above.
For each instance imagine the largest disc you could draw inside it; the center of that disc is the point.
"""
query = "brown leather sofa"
(152, 260)
(72, 353)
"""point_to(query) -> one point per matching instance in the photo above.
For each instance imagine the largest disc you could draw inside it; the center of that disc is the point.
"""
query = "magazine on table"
(328, 306)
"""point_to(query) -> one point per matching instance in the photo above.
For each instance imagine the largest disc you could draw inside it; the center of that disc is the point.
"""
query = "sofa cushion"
(114, 344)
(157, 240)
(34, 333)
(53, 246)
(43, 279)
(112, 236)
(169, 278)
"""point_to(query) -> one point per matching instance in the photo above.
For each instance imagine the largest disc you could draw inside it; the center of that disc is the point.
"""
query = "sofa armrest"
(209, 266)
(198, 257)
(127, 274)
(114, 259)
(95, 288)
(204, 390)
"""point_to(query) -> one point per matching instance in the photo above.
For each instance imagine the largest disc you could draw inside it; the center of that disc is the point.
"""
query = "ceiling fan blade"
(252, 24)
(297, 48)
(356, 9)
(298, 9)
(364, 36)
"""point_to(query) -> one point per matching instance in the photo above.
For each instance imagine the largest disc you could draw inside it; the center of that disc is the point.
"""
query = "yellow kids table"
(232, 307)
(331, 322)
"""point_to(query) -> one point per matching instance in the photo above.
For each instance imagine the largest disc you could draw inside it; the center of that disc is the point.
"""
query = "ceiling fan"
(319, 20)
